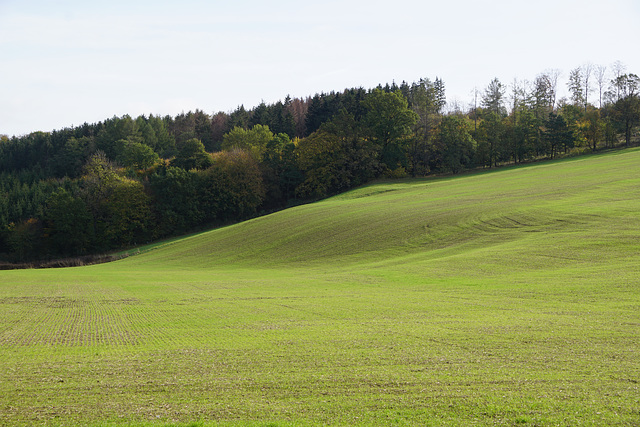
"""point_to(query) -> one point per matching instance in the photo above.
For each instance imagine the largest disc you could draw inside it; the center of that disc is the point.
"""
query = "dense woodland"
(127, 181)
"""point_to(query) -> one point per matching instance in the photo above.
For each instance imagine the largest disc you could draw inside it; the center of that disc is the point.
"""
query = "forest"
(127, 181)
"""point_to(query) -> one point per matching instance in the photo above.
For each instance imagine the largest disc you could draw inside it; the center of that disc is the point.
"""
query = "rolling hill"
(495, 298)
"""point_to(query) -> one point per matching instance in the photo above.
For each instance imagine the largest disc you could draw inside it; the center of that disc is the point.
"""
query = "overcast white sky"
(66, 62)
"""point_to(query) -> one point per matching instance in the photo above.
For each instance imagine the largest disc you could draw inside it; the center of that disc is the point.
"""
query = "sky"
(64, 63)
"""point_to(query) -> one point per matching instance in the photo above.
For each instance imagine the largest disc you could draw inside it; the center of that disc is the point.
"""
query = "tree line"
(126, 181)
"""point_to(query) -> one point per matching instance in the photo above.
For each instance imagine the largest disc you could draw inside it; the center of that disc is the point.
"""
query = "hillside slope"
(594, 198)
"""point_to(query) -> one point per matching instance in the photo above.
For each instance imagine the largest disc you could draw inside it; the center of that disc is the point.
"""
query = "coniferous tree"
(441, 98)
(219, 127)
(68, 224)
(239, 118)
(493, 99)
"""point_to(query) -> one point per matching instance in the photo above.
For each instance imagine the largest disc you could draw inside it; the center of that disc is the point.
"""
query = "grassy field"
(508, 297)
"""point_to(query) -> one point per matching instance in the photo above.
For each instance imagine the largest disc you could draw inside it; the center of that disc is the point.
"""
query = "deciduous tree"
(191, 155)
(232, 188)
(627, 108)
(558, 134)
(253, 140)
(455, 144)
(136, 155)
(575, 86)
(388, 122)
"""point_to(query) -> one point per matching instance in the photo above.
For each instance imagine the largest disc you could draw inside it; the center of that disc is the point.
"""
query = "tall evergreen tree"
(440, 95)
(493, 98)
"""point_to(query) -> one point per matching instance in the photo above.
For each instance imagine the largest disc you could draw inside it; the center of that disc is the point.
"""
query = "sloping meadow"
(496, 298)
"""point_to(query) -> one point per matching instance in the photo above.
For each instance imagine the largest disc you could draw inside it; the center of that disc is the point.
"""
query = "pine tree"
(441, 98)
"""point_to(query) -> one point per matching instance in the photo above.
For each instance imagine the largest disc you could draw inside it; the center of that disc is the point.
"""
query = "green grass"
(508, 297)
